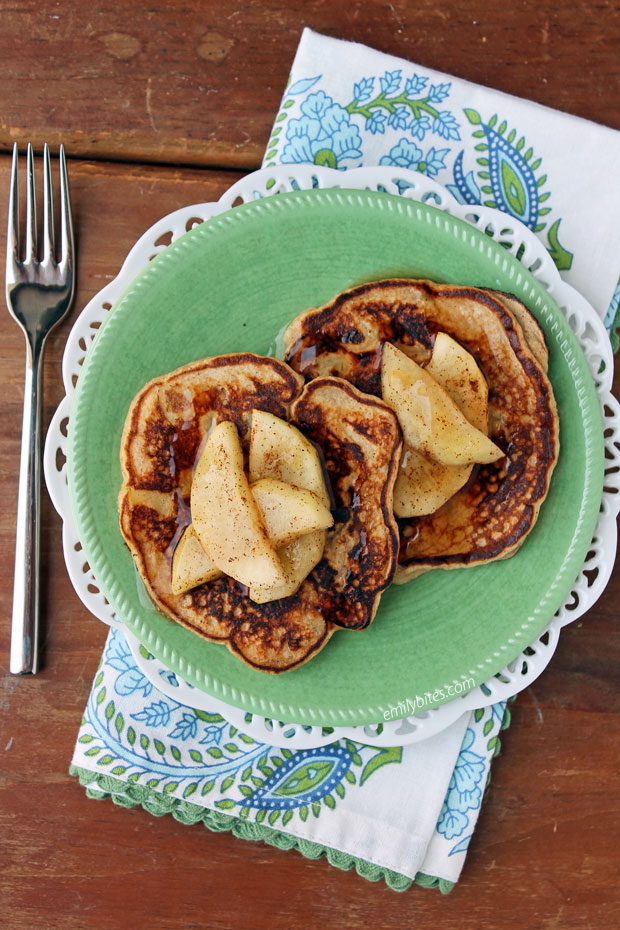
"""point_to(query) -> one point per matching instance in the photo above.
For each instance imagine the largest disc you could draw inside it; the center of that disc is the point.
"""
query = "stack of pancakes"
(329, 386)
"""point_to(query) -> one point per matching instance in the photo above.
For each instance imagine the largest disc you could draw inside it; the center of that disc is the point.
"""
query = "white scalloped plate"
(582, 319)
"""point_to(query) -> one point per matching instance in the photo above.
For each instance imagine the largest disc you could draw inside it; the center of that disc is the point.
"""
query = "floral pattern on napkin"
(406, 118)
(139, 733)
(422, 134)
(141, 736)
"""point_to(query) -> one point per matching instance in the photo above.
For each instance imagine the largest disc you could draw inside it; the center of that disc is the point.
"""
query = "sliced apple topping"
(456, 371)
(279, 450)
(191, 565)
(288, 511)
(430, 420)
(298, 559)
(225, 515)
(423, 486)
(269, 534)
(443, 412)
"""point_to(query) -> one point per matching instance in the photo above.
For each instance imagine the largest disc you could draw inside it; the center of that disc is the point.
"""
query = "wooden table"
(164, 104)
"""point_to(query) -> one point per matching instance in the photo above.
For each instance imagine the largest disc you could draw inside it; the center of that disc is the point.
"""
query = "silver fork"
(39, 291)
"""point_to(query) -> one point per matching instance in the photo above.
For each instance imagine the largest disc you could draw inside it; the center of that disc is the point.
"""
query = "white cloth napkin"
(348, 105)
(400, 814)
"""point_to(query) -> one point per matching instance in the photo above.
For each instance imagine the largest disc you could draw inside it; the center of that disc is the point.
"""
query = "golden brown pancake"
(534, 336)
(491, 516)
(360, 438)
(361, 443)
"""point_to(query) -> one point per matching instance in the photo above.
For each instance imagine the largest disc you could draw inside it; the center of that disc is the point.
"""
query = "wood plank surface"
(144, 95)
(544, 853)
(200, 82)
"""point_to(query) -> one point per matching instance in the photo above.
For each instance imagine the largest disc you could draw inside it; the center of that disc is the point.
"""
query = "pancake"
(164, 433)
(534, 336)
(491, 516)
(361, 442)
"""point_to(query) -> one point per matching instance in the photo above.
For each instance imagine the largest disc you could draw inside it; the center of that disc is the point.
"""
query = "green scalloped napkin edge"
(126, 795)
(153, 802)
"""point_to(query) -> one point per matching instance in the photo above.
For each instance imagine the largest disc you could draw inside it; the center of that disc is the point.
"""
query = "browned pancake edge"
(491, 516)
(164, 430)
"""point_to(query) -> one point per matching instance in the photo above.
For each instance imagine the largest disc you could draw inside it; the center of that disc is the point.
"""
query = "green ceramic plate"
(231, 285)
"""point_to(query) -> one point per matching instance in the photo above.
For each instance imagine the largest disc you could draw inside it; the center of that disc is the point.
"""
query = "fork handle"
(25, 618)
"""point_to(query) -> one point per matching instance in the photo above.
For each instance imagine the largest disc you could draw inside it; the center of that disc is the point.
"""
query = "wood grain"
(544, 853)
(198, 82)
(191, 84)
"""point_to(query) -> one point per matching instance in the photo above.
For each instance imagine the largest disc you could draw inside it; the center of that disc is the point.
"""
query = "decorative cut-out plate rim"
(258, 185)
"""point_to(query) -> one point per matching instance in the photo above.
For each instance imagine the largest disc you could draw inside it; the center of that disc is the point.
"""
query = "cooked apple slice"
(456, 371)
(298, 558)
(430, 420)
(279, 450)
(288, 511)
(285, 509)
(191, 565)
(422, 485)
(225, 515)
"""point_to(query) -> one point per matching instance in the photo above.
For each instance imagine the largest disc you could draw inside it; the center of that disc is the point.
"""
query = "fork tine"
(31, 210)
(12, 233)
(48, 209)
(38, 295)
(66, 226)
